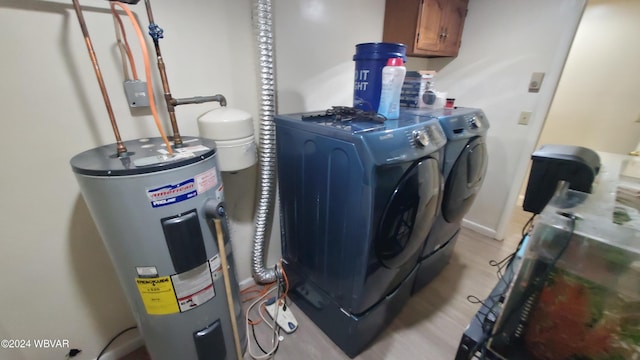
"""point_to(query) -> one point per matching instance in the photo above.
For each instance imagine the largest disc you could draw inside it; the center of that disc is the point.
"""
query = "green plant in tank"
(618, 260)
(620, 216)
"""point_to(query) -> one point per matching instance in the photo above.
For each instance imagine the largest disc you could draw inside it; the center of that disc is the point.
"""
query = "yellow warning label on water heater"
(158, 295)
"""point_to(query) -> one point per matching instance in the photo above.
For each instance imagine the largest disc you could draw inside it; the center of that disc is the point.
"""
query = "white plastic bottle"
(392, 79)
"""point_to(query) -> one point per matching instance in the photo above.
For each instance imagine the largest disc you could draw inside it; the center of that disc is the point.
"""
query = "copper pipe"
(177, 139)
(120, 148)
(168, 98)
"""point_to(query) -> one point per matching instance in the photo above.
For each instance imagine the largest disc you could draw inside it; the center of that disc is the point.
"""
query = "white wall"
(504, 41)
(596, 104)
(315, 44)
(58, 282)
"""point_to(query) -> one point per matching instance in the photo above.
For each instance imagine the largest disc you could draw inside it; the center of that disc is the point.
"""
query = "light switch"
(536, 81)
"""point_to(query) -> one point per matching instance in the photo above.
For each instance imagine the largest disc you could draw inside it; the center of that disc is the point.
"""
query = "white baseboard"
(479, 228)
(124, 346)
(246, 283)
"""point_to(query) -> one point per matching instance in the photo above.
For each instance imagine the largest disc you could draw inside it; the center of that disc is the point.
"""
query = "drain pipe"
(262, 20)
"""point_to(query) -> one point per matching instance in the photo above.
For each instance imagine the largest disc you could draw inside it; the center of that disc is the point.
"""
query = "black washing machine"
(463, 168)
(358, 198)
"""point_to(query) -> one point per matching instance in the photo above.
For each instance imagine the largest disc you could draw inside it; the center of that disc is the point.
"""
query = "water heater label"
(172, 193)
(193, 149)
(193, 287)
(158, 295)
(216, 267)
(214, 263)
(207, 180)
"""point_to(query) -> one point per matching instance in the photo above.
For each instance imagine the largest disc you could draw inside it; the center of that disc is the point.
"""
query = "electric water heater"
(155, 212)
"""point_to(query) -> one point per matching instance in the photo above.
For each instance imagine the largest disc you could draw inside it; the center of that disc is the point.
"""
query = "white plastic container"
(392, 80)
(235, 155)
(232, 130)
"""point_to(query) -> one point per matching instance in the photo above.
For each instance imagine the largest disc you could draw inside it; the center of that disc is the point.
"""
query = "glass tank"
(576, 294)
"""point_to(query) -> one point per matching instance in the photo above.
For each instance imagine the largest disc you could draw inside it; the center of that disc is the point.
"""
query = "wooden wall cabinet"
(427, 27)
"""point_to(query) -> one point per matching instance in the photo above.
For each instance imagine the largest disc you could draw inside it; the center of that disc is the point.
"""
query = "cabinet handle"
(442, 33)
(446, 32)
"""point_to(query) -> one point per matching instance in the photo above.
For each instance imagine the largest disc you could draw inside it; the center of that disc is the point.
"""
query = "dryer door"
(464, 180)
(409, 214)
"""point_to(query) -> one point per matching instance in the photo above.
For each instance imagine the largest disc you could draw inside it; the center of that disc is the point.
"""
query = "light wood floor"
(431, 324)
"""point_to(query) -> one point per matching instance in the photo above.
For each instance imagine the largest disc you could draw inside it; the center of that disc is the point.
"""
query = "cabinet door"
(401, 23)
(430, 27)
(453, 25)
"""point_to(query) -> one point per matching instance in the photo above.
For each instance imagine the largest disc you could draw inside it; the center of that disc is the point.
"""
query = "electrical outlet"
(524, 118)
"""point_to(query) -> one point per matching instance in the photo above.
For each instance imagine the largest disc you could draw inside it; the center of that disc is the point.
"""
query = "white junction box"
(136, 92)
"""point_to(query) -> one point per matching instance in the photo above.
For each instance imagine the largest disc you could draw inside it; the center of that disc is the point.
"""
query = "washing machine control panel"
(458, 123)
(405, 143)
(411, 136)
(421, 138)
(474, 122)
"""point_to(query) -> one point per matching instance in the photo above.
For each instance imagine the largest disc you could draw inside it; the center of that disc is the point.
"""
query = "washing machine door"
(464, 180)
(409, 214)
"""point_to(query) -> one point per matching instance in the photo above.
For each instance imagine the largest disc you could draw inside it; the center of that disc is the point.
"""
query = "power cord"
(282, 289)
(253, 330)
(114, 339)
(267, 354)
(530, 291)
(500, 265)
(506, 262)
(528, 225)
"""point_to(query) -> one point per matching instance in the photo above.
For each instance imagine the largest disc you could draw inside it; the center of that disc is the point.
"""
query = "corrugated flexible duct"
(263, 24)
